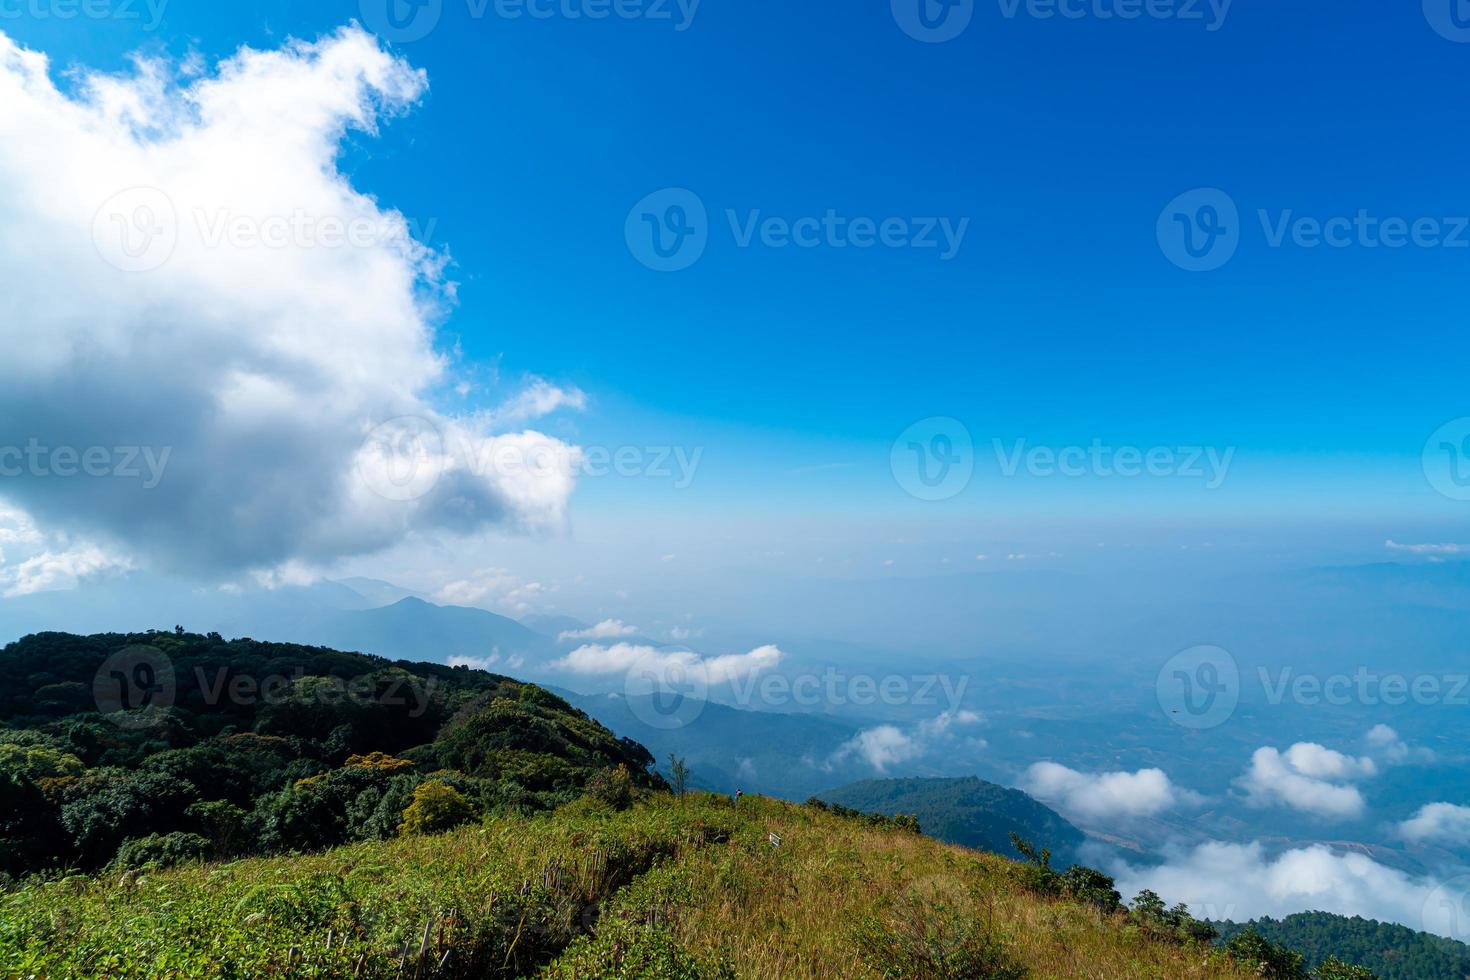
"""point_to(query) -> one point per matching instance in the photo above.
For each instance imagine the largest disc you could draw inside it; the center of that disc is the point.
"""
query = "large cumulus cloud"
(185, 268)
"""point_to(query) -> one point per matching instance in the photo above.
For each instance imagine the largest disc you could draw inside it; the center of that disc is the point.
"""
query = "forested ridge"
(163, 746)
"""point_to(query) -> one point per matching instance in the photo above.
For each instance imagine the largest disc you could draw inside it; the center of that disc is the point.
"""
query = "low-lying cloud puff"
(1386, 745)
(1302, 778)
(174, 283)
(1240, 881)
(1105, 795)
(608, 629)
(622, 658)
(1439, 823)
(887, 745)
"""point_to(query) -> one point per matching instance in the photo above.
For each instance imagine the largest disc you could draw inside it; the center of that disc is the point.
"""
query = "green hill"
(966, 811)
(126, 747)
(1393, 952)
(182, 806)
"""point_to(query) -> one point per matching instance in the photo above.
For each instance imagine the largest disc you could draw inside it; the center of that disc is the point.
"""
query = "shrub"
(1091, 886)
(927, 939)
(613, 787)
(624, 950)
(161, 850)
(1256, 952)
(436, 807)
(1333, 968)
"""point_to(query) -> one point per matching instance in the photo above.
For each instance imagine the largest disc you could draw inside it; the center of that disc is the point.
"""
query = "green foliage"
(1389, 951)
(1150, 913)
(1270, 961)
(612, 787)
(898, 821)
(1092, 887)
(161, 850)
(1333, 968)
(436, 807)
(624, 950)
(268, 747)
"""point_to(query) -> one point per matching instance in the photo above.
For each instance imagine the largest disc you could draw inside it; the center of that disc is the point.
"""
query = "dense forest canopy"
(160, 746)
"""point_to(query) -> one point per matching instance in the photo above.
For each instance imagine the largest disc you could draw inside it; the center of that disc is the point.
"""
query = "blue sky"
(1059, 320)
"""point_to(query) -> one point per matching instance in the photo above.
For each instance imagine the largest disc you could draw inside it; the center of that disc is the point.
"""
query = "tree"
(1333, 968)
(436, 807)
(678, 774)
(613, 787)
(1091, 886)
(1273, 962)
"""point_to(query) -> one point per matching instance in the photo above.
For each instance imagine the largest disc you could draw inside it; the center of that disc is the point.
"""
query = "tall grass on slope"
(672, 888)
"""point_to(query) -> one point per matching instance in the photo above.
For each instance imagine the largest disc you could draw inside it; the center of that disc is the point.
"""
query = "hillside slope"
(685, 888)
(966, 811)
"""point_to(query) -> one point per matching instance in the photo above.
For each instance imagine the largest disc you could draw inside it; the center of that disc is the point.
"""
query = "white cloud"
(31, 561)
(1385, 744)
(537, 400)
(886, 745)
(1444, 823)
(1318, 762)
(1427, 549)
(1106, 795)
(1301, 778)
(881, 747)
(608, 629)
(1239, 881)
(491, 588)
(620, 658)
(51, 570)
(262, 362)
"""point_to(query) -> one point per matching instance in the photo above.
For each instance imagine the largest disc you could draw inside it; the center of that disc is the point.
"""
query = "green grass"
(671, 888)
